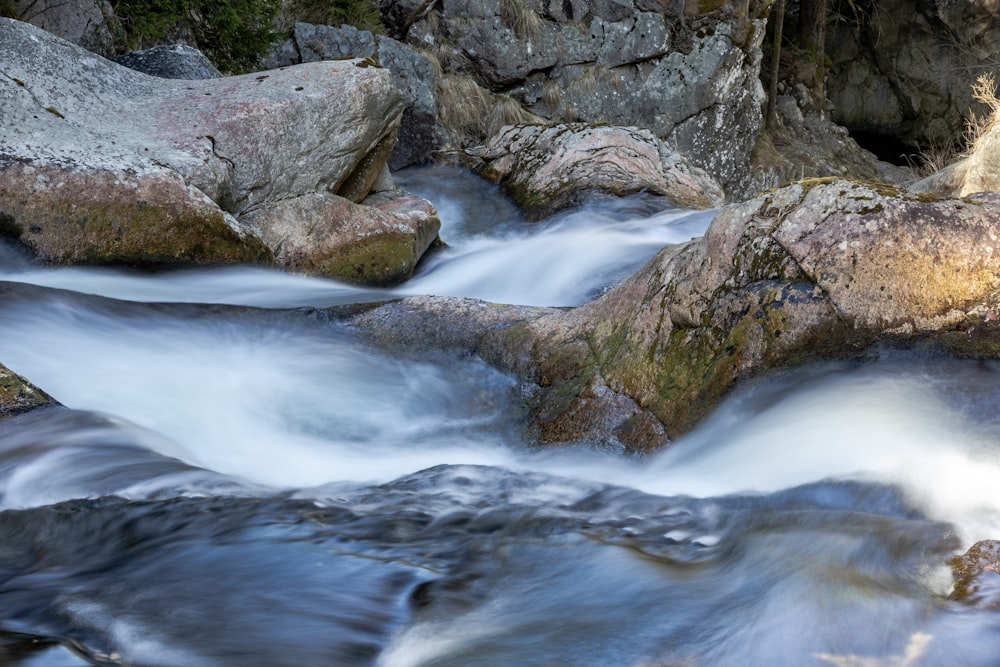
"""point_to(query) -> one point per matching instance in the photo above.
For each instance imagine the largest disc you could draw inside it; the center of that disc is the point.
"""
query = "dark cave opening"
(888, 148)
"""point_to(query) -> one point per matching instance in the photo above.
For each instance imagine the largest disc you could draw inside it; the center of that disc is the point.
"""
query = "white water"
(206, 401)
(295, 407)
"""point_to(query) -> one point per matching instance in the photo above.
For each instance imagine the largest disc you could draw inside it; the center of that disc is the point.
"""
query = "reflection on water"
(234, 486)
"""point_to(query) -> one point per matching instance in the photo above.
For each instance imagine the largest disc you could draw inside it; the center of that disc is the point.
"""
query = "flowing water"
(240, 480)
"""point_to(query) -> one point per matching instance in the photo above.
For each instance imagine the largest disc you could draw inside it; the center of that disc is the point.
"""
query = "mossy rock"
(104, 218)
(18, 395)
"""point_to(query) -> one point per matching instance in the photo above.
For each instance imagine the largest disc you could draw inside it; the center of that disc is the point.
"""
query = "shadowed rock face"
(177, 61)
(102, 164)
(412, 73)
(906, 69)
(686, 71)
(821, 268)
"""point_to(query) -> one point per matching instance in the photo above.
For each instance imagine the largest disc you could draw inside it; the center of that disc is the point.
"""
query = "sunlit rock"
(102, 164)
(549, 168)
(976, 575)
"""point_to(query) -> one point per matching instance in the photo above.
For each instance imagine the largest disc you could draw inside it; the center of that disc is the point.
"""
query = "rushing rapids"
(240, 480)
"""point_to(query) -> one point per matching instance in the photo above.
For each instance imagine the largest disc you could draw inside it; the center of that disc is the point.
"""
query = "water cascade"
(240, 480)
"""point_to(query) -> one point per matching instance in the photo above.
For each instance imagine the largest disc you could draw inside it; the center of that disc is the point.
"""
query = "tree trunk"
(772, 90)
(812, 35)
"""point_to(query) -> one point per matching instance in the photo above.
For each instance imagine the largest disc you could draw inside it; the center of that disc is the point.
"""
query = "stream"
(237, 479)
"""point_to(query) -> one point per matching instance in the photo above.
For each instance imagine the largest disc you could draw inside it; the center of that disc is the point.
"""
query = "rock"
(947, 182)
(18, 396)
(83, 22)
(321, 233)
(176, 61)
(103, 164)
(412, 73)
(983, 166)
(811, 146)
(976, 576)
(821, 268)
(979, 172)
(907, 69)
(549, 168)
(689, 77)
(78, 215)
(399, 15)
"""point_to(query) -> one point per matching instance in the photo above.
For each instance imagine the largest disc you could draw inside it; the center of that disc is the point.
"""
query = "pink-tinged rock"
(548, 168)
(103, 164)
(325, 234)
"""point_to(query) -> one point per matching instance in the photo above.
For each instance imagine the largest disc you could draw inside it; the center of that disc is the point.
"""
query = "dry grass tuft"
(977, 126)
(551, 95)
(471, 114)
(520, 18)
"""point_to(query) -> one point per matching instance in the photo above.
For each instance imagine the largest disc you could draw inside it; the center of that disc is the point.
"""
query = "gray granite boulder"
(548, 168)
(412, 73)
(102, 164)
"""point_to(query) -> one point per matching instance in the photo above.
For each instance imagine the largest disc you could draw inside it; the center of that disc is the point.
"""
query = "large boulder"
(82, 22)
(686, 71)
(548, 168)
(103, 164)
(905, 69)
(821, 268)
(412, 72)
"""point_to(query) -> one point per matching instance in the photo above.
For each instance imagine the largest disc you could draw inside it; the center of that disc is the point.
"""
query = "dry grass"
(551, 95)
(520, 18)
(977, 126)
(471, 114)
(937, 155)
(934, 157)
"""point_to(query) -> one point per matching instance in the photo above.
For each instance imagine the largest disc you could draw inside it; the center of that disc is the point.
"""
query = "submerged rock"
(548, 168)
(102, 164)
